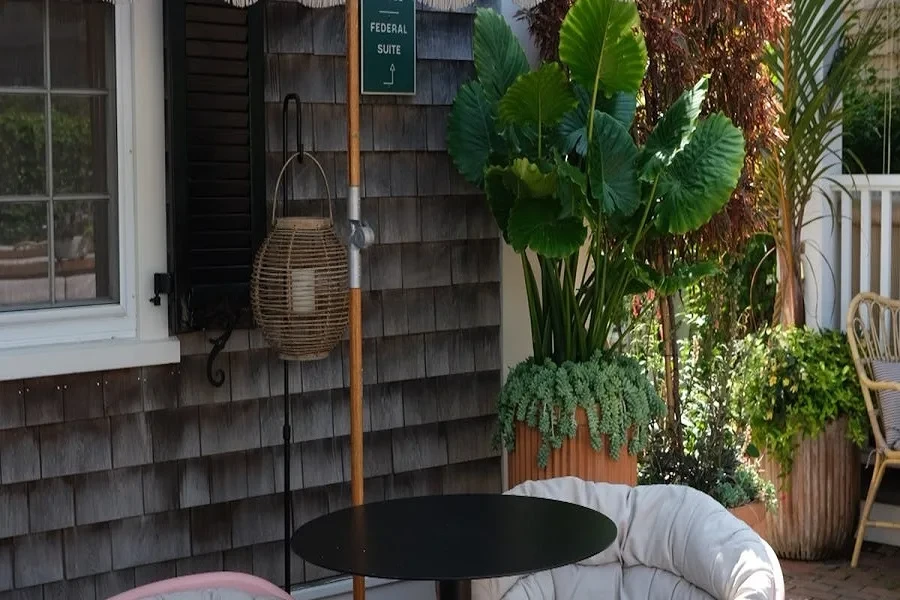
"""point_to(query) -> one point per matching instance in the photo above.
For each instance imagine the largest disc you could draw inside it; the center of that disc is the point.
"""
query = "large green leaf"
(573, 127)
(683, 276)
(620, 106)
(702, 177)
(499, 187)
(601, 43)
(534, 223)
(520, 140)
(613, 176)
(573, 131)
(541, 97)
(505, 186)
(673, 131)
(471, 132)
(533, 183)
(499, 58)
(571, 188)
(622, 267)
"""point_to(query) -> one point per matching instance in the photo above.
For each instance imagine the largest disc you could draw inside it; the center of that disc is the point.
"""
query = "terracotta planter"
(754, 515)
(576, 457)
(818, 507)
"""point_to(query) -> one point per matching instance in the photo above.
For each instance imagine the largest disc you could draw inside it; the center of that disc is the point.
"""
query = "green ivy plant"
(552, 150)
(791, 383)
(619, 400)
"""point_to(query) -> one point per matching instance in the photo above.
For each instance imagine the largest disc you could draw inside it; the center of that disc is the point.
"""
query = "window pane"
(22, 43)
(85, 247)
(22, 145)
(82, 133)
(24, 270)
(81, 44)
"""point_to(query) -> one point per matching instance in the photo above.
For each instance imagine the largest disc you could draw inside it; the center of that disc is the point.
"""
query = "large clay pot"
(754, 515)
(576, 457)
(818, 506)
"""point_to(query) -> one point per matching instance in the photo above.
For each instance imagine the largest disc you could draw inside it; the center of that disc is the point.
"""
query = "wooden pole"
(353, 213)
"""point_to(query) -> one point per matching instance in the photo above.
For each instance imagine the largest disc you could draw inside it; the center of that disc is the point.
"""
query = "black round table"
(454, 538)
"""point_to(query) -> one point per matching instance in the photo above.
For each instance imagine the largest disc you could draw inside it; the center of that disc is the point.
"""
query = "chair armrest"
(881, 386)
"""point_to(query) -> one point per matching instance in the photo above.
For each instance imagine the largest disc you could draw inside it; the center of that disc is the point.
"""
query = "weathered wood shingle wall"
(109, 480)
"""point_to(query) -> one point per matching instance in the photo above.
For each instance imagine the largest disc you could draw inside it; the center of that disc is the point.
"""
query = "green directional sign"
(388, 46)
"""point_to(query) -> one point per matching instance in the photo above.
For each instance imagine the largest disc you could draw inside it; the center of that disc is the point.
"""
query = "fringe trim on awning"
(527, 4)
(435, 4)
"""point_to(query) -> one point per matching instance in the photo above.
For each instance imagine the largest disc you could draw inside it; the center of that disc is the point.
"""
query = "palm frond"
(816, 56)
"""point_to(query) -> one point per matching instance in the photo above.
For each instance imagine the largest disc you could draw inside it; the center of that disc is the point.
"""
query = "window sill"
(60, 359)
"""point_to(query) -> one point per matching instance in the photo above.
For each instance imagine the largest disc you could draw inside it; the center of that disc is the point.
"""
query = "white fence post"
(820, 262)
(887, 230)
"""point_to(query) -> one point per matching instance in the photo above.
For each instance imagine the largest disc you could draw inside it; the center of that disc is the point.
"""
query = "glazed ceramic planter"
(575, 458)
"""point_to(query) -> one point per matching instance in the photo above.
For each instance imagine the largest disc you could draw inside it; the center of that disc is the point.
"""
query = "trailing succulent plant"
(619, 400)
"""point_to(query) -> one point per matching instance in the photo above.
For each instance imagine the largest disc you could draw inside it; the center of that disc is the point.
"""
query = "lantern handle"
(281, 176)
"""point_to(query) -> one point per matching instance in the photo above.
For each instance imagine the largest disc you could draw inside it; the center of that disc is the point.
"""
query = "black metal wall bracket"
(217, 377)
(163, 283)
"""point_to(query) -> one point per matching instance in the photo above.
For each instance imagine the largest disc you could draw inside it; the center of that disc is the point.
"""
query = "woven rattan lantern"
(298, 289)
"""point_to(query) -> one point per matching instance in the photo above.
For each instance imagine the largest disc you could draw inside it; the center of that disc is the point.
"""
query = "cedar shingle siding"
(110, 480)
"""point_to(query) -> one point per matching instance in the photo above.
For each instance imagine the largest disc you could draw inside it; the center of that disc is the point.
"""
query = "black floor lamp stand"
(286, 429)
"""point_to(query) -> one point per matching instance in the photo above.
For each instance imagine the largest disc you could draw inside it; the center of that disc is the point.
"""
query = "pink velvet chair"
(224, 585)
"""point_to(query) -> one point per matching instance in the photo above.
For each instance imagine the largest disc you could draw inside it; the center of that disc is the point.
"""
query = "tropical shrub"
(713, 454)
(726, 39)
(552, 151)
(792, 382)
(808, 81)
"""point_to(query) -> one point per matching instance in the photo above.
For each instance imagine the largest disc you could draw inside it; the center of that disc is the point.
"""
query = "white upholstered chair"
(673, 543)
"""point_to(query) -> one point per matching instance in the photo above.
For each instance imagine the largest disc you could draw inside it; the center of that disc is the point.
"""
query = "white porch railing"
(866, 240)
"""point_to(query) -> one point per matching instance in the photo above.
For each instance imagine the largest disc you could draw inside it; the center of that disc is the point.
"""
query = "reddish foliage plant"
(685, 40)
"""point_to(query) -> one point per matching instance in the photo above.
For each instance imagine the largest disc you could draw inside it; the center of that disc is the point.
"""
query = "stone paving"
(876, 578)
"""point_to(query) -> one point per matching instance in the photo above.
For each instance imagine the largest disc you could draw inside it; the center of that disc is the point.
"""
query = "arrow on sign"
(391, 82)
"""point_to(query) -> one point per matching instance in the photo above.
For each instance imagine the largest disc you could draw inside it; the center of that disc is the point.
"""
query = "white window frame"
(133, 332)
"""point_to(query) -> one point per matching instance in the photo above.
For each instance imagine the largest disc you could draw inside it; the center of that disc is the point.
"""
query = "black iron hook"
(298, 128)
(217, 378)
(298, 131)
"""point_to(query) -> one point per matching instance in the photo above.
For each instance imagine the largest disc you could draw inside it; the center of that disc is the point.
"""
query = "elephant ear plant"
(580, 202)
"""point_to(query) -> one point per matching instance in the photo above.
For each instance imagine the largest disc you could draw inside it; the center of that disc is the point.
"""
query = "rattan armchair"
(873, 330)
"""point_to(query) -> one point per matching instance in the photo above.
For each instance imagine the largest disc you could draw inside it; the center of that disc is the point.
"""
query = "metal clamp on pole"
(361, 234)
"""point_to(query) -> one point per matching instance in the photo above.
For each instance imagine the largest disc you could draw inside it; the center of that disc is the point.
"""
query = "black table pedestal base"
(454, 590)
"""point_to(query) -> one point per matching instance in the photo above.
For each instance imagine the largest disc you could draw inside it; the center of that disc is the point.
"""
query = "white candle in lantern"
(303, 290)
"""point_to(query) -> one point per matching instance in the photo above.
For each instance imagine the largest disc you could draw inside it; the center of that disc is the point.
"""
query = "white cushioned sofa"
(673, 543)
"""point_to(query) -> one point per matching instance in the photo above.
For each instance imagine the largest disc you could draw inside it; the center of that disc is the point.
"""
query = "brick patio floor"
(876, 578)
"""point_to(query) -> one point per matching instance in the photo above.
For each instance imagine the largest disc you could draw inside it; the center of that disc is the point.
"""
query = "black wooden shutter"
(215, 68)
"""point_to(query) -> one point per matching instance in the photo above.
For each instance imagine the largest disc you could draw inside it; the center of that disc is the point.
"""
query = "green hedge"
(23, 163)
